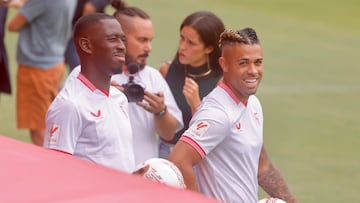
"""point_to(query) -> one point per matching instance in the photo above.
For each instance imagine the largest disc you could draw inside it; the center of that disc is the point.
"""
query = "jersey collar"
(230, 92)
(89, 84)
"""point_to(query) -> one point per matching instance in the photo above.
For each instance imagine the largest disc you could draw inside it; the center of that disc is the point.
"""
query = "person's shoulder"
(73, 90)
(218, 99)
(164, 68)
(63, 104)
(151, 72)
(254, 100)
(118, 95)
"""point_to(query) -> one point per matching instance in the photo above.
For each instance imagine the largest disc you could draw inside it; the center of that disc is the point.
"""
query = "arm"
(18, 21)
(185, 157)
(166, 123)
(166, 126)
(271, 181)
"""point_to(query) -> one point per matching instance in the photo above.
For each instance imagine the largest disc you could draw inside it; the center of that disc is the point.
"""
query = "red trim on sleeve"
(194, 144)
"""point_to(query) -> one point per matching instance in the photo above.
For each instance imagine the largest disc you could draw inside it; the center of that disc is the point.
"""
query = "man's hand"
(154, 103)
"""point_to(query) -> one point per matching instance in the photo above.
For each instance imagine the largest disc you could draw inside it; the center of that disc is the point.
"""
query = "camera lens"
(134, 92)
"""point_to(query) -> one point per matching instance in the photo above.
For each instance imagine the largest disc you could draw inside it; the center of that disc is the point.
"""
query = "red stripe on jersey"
(90, 85)
(86, 82)
(194, 144)
(230, 92)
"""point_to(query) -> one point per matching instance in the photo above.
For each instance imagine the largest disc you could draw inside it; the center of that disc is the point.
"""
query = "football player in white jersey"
(225, 138)
(89, 118)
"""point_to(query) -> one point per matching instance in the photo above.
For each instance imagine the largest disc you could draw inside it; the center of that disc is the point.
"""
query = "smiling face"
(243, 68)
(108, 46)
(192, 50)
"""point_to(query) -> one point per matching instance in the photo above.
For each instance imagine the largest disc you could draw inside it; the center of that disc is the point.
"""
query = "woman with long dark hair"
(195, 69)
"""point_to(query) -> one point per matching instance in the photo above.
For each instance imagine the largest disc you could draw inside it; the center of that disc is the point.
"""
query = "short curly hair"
(243, 36)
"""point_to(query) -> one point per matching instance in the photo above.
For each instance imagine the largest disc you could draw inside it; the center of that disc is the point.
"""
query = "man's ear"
(85, 45)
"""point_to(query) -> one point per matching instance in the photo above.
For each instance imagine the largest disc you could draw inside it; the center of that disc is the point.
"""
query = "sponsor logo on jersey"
(200, 128)
(54, 133)
(238, 126)
(96, 114)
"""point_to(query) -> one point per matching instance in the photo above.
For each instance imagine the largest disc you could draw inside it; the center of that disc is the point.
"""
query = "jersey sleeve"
(208, 128)
(63, 126)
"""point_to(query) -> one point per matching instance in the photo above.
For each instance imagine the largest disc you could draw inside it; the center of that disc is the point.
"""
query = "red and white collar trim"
(89, 84)
(230, 92)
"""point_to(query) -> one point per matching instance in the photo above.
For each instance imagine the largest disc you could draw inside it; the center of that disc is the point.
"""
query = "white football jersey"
(228, 135)
(91, 124)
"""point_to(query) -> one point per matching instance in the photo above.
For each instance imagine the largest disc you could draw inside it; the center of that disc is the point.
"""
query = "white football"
(271, 200)
(162, 171)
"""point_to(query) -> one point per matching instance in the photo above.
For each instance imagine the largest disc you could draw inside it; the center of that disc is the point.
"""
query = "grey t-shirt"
(43, 40)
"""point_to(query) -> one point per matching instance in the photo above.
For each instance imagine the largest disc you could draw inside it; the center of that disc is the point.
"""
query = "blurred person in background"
(44, 28)
(5, 84)
(195, 69)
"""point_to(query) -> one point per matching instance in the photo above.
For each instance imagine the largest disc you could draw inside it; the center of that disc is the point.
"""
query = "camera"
(134, 92)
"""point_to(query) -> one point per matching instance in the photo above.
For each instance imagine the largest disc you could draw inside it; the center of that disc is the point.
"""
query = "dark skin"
(102, 53)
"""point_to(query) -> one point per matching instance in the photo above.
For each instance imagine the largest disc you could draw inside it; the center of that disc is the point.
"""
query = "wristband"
(161, 113)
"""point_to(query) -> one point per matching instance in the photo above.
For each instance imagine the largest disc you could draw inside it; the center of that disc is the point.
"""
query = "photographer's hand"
(154, 103)
(165, 122)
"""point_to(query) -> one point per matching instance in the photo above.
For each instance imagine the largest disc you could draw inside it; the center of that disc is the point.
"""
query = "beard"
(142, 63)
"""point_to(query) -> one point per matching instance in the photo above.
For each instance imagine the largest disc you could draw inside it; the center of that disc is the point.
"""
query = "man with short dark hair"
(89, 118)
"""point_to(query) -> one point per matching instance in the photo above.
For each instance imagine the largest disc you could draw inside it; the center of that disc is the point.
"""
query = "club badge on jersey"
(200, 128)
(54, 133)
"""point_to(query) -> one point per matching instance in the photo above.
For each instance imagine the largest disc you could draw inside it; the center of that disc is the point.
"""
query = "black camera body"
(134, 92)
